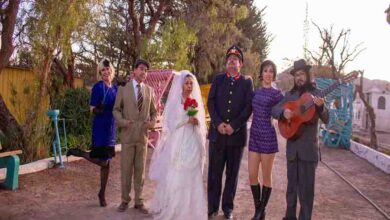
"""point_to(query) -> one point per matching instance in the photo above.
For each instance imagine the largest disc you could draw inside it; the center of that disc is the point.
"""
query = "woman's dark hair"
(264, 65)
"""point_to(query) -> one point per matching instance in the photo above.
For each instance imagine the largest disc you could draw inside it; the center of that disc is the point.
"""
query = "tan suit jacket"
(126, 110)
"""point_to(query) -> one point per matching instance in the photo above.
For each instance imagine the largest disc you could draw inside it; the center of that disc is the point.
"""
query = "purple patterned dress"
(262, 135)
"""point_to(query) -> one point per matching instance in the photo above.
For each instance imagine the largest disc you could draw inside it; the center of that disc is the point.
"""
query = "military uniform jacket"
(230, 101)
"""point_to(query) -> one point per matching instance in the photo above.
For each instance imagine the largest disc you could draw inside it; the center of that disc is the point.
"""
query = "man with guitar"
(302, 104)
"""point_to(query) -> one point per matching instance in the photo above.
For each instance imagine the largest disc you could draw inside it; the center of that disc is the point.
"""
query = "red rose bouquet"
(190, 106)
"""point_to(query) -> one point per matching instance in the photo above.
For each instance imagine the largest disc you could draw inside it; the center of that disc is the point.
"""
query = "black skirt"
(103, 153)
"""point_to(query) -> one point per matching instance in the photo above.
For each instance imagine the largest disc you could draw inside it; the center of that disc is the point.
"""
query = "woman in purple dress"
(263, 142)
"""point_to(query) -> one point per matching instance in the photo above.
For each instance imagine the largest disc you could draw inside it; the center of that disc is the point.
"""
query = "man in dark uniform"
(230, 105)
(302, 151)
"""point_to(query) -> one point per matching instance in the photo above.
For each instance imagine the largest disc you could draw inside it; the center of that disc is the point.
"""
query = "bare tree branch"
(335, 50)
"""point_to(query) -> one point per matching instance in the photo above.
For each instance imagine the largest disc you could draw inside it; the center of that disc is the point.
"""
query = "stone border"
(378, 159)
(44, 164)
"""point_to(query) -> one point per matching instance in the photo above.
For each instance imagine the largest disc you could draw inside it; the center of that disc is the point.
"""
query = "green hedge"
(74, 107)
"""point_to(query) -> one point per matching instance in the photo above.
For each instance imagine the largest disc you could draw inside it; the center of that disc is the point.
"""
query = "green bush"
(74, 107)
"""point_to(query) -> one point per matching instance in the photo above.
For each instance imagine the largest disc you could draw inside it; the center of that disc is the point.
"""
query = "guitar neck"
(329, 89)
(323, 93)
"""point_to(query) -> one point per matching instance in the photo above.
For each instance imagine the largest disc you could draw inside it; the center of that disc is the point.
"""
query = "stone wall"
(378, 159)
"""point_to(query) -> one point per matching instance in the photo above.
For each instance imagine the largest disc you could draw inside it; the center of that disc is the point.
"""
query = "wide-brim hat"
(300, 65)
(235, 50)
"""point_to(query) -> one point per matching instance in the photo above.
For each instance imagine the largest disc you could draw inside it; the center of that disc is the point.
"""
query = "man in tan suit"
(135, 113)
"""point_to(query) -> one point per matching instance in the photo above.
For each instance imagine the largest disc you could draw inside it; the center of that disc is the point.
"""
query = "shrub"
(74, 107)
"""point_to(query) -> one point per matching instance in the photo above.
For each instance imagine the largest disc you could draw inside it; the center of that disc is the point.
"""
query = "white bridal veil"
(171, 122)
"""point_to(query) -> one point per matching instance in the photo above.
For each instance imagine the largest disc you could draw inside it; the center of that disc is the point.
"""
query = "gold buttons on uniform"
(227, 120)
(228, 110)
(230, 101)
(231, 83)
(231, 92)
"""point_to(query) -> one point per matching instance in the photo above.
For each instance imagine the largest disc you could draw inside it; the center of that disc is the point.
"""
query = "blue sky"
(365, 19)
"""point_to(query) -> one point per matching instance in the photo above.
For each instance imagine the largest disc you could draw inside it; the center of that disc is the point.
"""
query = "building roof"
(377, 88)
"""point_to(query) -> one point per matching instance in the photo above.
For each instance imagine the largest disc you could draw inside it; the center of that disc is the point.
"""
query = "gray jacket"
(305, 146)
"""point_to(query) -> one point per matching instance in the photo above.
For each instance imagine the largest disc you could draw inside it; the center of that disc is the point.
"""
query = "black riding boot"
(256, 193)
(264, 201)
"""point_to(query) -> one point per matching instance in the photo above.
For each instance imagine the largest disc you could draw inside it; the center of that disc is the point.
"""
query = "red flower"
(190, 103)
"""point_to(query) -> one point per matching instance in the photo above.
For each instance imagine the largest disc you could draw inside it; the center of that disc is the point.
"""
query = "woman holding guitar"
(304, 103)
(263, 142)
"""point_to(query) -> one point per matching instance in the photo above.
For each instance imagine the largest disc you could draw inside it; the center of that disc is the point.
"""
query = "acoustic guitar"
(304, 110)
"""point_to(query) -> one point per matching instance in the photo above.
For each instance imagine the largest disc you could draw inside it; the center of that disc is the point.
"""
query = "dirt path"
(71, 193)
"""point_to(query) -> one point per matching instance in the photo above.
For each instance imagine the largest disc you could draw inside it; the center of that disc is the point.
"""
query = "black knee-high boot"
(264, 201)
(256, 193)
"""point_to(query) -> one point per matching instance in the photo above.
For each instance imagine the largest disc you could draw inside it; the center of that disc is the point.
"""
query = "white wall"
(382, 115)
(358, 107)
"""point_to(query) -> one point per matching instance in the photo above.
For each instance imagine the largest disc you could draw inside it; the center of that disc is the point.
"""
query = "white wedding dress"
(177, 162)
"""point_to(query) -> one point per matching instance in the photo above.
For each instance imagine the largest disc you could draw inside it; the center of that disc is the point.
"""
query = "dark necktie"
(140, 98)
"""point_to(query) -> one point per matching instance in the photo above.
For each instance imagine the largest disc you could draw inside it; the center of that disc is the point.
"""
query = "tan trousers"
(133, 160)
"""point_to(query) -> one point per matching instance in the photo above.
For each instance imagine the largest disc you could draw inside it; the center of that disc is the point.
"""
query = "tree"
(254, 28)
(174, 45)
(145, 16)
(123, 32)
(176, 41)
(8, 13)
(221, 24)
(67, 71)
(334, 50)
(106, 36)
(50, 26)
(217, 31)
(8, 124)
(335, 53)
(369, 109)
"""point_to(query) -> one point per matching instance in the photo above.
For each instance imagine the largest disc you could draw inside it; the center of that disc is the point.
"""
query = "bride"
(177, 162)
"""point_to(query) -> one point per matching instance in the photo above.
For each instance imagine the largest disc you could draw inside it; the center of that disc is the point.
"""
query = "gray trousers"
(300, 183)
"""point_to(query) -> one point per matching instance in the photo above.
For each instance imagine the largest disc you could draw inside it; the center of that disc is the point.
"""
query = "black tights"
(104, 170)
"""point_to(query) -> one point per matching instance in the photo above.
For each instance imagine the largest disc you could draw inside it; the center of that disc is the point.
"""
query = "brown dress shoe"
(123, 206)
(141, 208)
